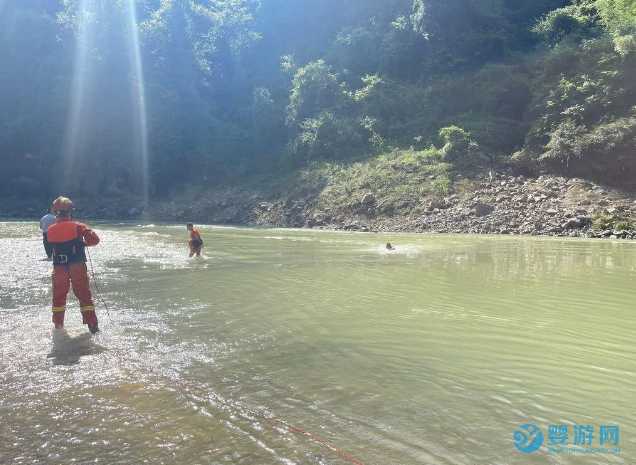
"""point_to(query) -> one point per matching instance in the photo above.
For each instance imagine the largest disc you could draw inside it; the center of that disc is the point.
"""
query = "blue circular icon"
(528, 438)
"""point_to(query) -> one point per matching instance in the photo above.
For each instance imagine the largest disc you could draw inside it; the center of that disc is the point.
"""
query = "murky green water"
(435, 353)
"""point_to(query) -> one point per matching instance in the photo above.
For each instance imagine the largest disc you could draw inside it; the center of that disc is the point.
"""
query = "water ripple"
(434, 353)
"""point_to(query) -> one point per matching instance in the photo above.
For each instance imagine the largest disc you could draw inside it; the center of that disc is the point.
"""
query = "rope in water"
(232, 403)
(240, 405)
(90, 261)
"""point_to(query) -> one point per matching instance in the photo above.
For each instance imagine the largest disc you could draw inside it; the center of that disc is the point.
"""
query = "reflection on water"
(434, 353)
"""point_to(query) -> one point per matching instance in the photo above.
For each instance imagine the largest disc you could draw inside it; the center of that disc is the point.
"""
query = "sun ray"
(75, 123)
(139, 92)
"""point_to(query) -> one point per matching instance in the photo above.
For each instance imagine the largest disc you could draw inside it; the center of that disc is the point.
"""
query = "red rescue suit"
(195, 241)
(68, 239)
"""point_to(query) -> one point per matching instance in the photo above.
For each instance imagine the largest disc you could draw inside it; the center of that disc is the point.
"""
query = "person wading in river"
(196, 243)
(46, 221)
(68, 240)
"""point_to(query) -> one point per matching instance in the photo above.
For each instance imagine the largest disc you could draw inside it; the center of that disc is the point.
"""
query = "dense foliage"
(146, 96)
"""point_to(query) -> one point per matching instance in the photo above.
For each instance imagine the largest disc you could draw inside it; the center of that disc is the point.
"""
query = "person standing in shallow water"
(47, 221)
(68, 240)
(196, 243)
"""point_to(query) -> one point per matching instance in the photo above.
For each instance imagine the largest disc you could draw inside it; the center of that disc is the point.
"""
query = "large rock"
(573, 224)
(616, 209)
(483, 157)
(368, 199)
(433, 204)
(483, 209)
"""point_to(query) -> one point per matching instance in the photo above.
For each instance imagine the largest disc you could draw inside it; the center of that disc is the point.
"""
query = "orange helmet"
(62, 204)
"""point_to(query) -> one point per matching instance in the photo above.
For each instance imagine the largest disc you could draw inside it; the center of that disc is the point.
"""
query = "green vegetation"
(400, 179)
(602, 222)
(391, 96)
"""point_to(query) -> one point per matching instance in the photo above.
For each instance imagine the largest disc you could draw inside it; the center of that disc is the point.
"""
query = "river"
(435, 353)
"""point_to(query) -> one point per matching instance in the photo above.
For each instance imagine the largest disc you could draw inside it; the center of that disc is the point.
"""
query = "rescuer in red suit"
(68, 239)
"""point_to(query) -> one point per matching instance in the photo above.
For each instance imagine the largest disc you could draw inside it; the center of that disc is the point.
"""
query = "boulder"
(483, 209)
(368, 199)
(483, 157)
(573, 224)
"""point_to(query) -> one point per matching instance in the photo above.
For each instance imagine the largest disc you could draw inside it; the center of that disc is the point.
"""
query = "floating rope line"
(241, 406)
(101, 296)
(231, 403)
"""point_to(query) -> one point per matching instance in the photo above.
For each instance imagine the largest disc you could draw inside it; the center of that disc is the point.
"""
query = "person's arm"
(88, 235)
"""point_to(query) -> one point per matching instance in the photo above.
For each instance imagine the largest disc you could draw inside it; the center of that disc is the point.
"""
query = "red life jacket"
(68, 244)
(195, 239)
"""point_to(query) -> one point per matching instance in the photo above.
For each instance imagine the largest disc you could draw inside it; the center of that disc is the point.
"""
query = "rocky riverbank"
(498, 203)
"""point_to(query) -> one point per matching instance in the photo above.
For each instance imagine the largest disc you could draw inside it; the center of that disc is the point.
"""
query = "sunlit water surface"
(435, 353)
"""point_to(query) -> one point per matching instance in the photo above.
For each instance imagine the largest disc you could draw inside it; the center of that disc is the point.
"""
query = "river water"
(435, 353)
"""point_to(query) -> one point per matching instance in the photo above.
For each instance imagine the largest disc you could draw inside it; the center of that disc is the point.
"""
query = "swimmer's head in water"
(389, 246)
